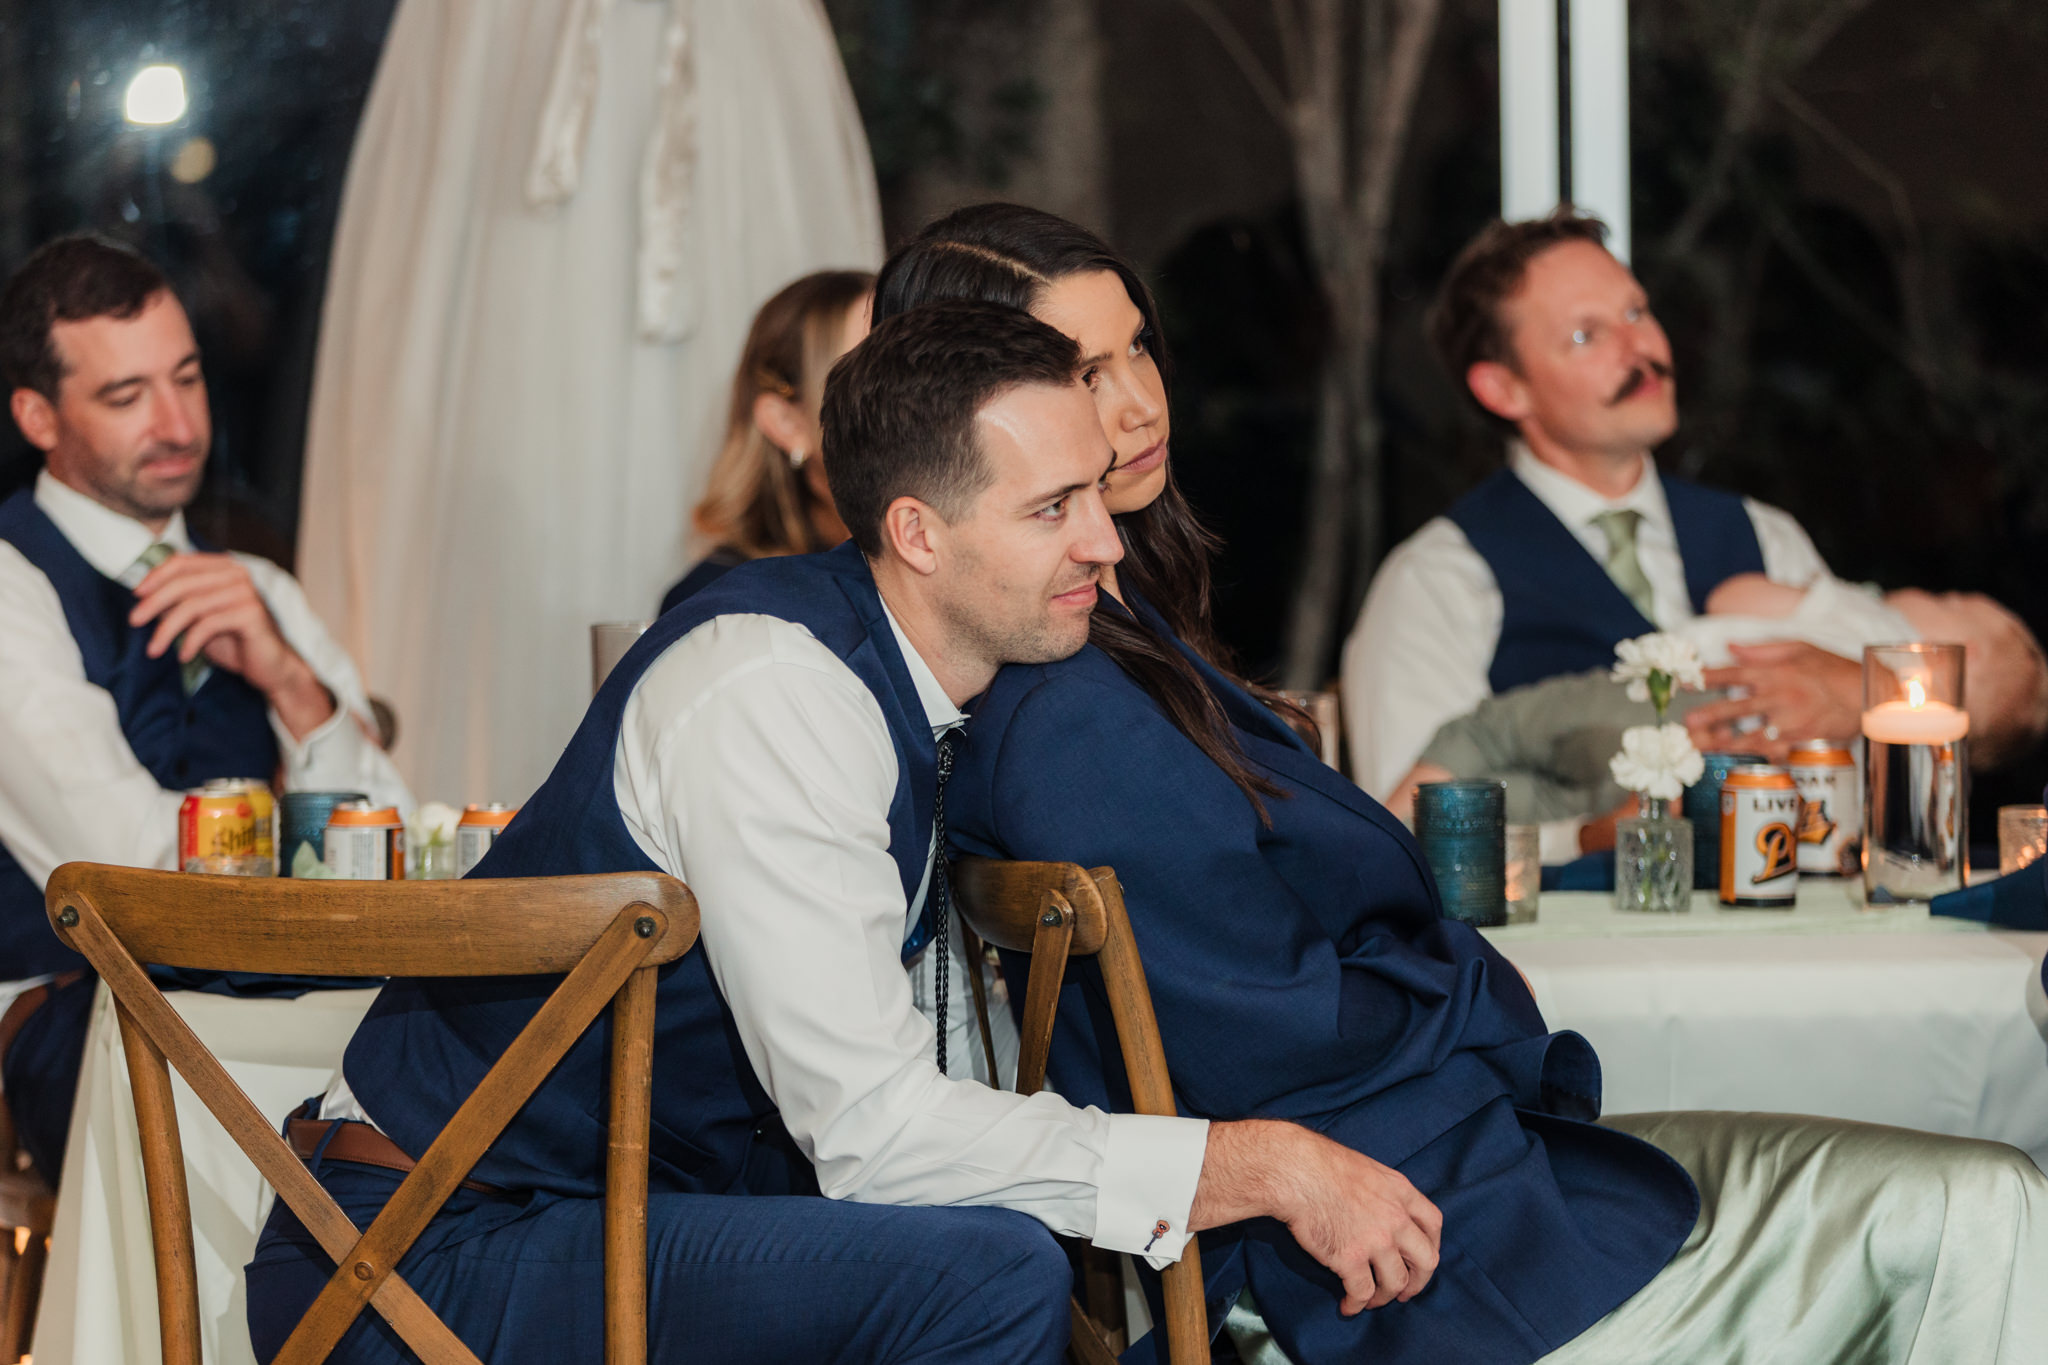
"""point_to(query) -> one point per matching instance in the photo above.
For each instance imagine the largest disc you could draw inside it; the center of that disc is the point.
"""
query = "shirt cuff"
(299, 754)
(1557, 841)
(1150, 1168)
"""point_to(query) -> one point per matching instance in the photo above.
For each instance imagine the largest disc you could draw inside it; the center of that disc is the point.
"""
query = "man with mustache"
(135, 662)
(1580, 542)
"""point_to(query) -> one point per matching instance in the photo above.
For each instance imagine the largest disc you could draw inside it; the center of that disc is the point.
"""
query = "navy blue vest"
(222, 730)
(1561, 613)
(426, 1043)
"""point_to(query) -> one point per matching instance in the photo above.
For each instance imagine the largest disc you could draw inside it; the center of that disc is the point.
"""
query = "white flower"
(1672, 655)
(433, 824)
(1658, 761)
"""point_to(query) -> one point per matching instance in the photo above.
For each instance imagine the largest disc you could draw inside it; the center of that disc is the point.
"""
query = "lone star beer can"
(1759, 820)
(1830, 830)
(479, 829)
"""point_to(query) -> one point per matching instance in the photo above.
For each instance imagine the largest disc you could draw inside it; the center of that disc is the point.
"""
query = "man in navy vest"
(134, 662)
(1580, 542)
(781, 741)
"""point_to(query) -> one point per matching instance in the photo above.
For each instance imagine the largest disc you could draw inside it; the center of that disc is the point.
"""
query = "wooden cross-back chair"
(607, 933)
(27, 1212)
(1057, 911)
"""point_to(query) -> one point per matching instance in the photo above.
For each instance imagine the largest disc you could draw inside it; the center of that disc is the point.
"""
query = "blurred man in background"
(136, 662)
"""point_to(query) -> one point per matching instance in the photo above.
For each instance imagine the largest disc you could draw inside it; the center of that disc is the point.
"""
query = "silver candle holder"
(1916, 773)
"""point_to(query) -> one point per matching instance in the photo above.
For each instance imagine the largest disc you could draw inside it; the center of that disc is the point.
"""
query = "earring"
(797, 457)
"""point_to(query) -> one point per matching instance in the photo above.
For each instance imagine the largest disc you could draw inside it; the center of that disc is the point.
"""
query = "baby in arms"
(1550, 741)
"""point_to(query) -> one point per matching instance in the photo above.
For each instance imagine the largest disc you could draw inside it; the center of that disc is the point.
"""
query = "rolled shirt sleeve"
(754, 765)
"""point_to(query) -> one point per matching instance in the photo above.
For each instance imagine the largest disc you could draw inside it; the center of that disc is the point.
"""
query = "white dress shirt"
(70, 787)
(1424, 643)
(757, 767)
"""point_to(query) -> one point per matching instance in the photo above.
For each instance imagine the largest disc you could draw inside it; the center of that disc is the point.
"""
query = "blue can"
(302, 819)
(1702, 806)
(1462, 827)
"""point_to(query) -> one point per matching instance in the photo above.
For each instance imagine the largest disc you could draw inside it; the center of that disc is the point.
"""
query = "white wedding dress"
(560, 217)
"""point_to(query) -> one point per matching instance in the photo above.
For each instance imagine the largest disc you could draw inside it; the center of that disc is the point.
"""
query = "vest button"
(191, 715)
(182, 767)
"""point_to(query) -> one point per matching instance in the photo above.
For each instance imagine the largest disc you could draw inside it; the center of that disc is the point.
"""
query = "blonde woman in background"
(767, 493)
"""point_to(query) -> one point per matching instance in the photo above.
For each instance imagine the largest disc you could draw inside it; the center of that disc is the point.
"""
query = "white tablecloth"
(1889, 1015)
(99, 1300)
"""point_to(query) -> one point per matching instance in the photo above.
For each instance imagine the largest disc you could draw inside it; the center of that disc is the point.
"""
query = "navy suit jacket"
(1304, 971)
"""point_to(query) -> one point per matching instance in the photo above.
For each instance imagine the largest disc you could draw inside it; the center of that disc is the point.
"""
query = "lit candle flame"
(1916, 695)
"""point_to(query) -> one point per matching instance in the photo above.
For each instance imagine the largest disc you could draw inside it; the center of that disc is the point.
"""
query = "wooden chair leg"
(1102, 1291)
(24, 1290)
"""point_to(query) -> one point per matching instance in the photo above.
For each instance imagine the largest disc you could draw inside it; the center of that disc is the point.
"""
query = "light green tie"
(1619, 526)
(193, 673)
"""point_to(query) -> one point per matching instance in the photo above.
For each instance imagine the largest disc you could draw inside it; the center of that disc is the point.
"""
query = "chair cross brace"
(153, 1033)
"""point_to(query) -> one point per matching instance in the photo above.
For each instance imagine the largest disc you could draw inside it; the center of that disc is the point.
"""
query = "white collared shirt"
(70, 787)
(1423, 647)
(753, 764)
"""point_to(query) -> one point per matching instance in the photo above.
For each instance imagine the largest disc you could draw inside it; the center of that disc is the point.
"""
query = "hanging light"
(156, 96)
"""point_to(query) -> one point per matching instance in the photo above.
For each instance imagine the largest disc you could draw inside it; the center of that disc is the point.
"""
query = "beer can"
(365, 842)
(477, 831)
(1830, 829)
(263, 806)
(217, 832)
(1759, 812)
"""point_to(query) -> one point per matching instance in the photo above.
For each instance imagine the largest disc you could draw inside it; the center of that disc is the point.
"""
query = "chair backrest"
(1056, 911)
(607, 934)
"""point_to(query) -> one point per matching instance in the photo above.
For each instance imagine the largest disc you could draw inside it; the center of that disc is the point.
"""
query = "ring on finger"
(1771, 733)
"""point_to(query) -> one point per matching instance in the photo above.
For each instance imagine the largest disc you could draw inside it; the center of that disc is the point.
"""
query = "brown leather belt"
(358, 1143)
(28, 1002)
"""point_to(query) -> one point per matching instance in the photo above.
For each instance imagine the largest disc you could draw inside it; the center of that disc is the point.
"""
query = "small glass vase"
(1653, 863)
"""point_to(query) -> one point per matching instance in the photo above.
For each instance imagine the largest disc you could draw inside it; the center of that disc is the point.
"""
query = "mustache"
(1637, 377)
(1091, 574)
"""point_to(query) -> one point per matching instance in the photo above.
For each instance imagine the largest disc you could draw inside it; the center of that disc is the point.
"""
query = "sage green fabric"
(1823, 1242)
(1550, 743)
(1623, 565)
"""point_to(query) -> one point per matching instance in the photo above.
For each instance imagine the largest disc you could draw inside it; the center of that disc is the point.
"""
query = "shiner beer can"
(217, 831)
(365, 842)
(1759, 814)
(263, 806)
(1830, 829)
(477, 831)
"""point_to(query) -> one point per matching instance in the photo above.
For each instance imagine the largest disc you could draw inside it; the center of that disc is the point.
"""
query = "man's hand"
(1361, 1219)
(208, 605)
(1800, 691)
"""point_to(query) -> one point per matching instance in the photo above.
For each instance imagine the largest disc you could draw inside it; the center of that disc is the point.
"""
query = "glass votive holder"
(609, 641)
(1916, 773)
(1462, 827)
(2022, 836)
(1523, 861)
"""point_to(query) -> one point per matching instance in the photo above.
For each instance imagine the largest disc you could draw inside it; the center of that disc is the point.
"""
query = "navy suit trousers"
(738, 1279)
(40, 1073)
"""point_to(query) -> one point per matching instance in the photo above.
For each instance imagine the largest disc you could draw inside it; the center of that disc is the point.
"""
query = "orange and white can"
(1759, 852)
(1830, 830)
(478, 829)
(365, 842)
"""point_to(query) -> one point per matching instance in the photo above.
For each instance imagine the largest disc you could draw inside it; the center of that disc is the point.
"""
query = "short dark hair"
(900, 407)
(1465, 324)
(69, 279)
